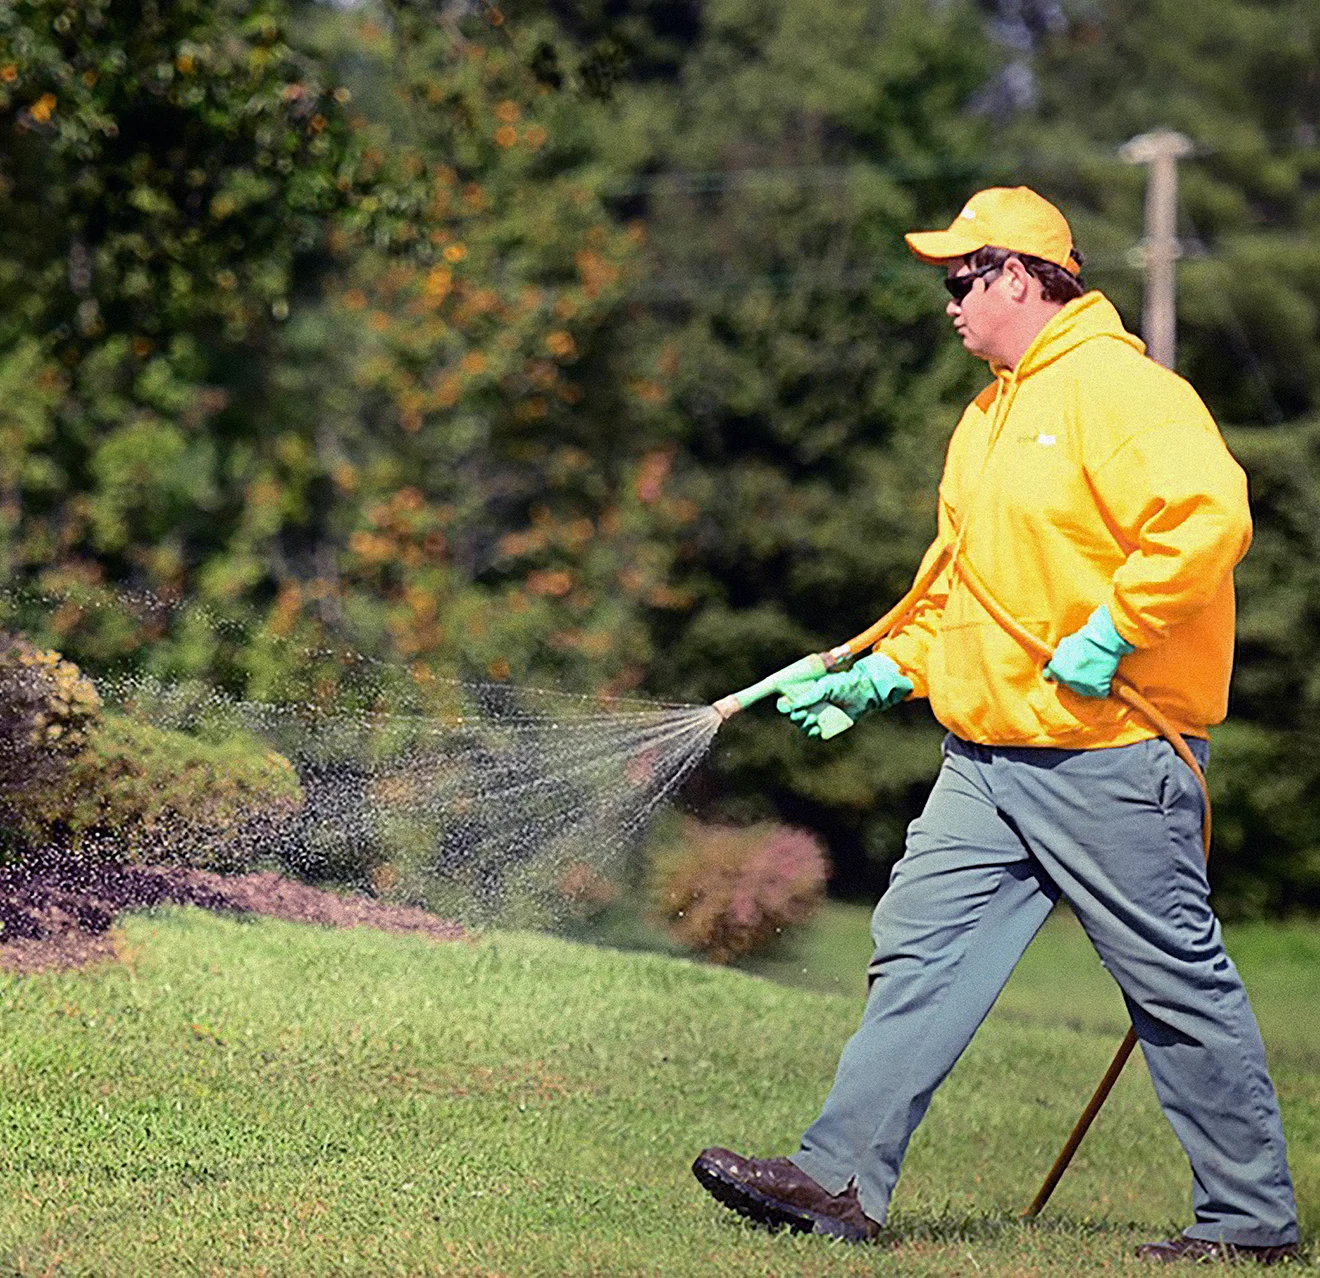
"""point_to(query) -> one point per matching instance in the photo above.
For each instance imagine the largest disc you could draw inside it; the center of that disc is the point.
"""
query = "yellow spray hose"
(1126, 693)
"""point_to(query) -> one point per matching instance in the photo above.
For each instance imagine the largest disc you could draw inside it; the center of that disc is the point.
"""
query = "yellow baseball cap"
(1007, 217)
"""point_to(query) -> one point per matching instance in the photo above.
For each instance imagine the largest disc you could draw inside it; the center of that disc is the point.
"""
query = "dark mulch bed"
(56, 911)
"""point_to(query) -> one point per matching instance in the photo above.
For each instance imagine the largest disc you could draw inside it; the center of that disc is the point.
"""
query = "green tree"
(795, 359)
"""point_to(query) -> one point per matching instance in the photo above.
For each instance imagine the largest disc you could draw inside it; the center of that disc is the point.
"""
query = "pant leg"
(963, 903)
(1119, 831)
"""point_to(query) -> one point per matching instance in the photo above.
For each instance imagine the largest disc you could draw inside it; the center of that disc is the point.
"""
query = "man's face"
(980, 316)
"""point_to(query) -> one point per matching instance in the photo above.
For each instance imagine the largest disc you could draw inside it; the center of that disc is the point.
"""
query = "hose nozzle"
(829, 717)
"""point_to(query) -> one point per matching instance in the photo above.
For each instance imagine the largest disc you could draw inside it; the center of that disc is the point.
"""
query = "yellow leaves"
(499, 669)
(264, 493)
(535, 137)
(316, 124)
(578, 533)
(222, 206)
(343, 95)
(371, 547)
(596, 272)
(9, 72)
(667, 597)
(355, 300)
(649, 391)
(422, 602)
(184, 64)
(595, 643)
(553, 583)
(379, 322)
(506, 136)
(446, 391)
(560, 344)
(43, 108)
(475, 363)
(527, 542)
(455, 252)
(345, 477)
(288, 605)
(411, 404)
(649, 483)
(439, 280)
(508, 112)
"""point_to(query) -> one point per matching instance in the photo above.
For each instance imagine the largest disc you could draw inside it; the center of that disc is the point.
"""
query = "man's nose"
(953, 309)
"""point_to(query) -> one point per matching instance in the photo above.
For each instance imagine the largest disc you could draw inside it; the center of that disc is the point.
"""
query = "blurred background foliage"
(575, 341)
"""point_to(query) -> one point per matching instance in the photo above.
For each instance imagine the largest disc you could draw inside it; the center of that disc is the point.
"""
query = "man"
(1089, 489)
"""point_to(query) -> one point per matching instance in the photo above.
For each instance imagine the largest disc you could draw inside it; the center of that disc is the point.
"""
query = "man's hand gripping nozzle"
(795, 678)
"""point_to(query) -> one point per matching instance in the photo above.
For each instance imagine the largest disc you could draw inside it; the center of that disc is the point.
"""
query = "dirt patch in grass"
(56, 911)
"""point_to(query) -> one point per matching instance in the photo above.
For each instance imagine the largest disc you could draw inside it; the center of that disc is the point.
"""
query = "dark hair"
(1056, 284)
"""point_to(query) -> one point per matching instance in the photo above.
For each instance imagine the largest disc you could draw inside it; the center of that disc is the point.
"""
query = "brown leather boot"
(775, 1193)
(1200, 1251)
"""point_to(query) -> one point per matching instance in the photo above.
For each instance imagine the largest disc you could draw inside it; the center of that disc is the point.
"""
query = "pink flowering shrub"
(726, 891)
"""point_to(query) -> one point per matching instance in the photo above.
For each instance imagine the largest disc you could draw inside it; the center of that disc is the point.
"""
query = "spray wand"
(829, 717)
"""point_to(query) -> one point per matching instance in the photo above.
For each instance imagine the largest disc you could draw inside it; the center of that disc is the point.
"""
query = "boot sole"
(769, 1212)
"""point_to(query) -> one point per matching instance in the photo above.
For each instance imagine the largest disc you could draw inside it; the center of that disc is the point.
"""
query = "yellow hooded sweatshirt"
(1086, 475)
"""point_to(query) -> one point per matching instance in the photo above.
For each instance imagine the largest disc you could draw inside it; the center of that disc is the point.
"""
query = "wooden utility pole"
(1160, 151)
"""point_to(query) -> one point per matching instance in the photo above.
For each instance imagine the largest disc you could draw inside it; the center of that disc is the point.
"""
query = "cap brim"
(942, 246)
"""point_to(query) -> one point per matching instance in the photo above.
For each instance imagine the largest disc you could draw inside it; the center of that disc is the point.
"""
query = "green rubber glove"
(1087, 659)
(873, 683)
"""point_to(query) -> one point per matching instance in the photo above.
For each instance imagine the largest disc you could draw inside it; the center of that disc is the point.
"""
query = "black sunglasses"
(960, 285)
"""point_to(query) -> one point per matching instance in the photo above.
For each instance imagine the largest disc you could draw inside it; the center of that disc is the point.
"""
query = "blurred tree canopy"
(575, 340)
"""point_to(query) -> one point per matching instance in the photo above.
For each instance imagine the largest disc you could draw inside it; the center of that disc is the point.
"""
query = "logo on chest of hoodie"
(1042, 439)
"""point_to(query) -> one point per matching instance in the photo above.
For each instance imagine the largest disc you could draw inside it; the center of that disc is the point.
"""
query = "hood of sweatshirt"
(1088, 318)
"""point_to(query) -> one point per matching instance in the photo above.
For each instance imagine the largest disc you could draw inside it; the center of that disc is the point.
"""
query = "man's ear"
(1019, 280)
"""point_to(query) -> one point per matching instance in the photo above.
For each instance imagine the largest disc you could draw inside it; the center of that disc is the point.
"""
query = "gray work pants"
(1117, 832)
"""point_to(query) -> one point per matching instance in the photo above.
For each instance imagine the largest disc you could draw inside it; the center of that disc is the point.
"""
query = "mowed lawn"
(259, 1097)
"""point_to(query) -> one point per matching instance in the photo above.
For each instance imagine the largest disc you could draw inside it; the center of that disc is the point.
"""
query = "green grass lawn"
(258, 1097)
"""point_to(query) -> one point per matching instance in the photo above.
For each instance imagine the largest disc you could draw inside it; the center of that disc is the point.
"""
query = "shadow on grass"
(983, 1227)
(953, 1228)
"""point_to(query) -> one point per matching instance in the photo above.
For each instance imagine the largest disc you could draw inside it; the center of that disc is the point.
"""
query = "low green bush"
(76, 777)
(150, 795)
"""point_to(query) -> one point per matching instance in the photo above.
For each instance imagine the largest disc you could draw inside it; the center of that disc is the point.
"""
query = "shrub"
(75, 777)
(149, 795)
(47, 708)
(725, 891)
